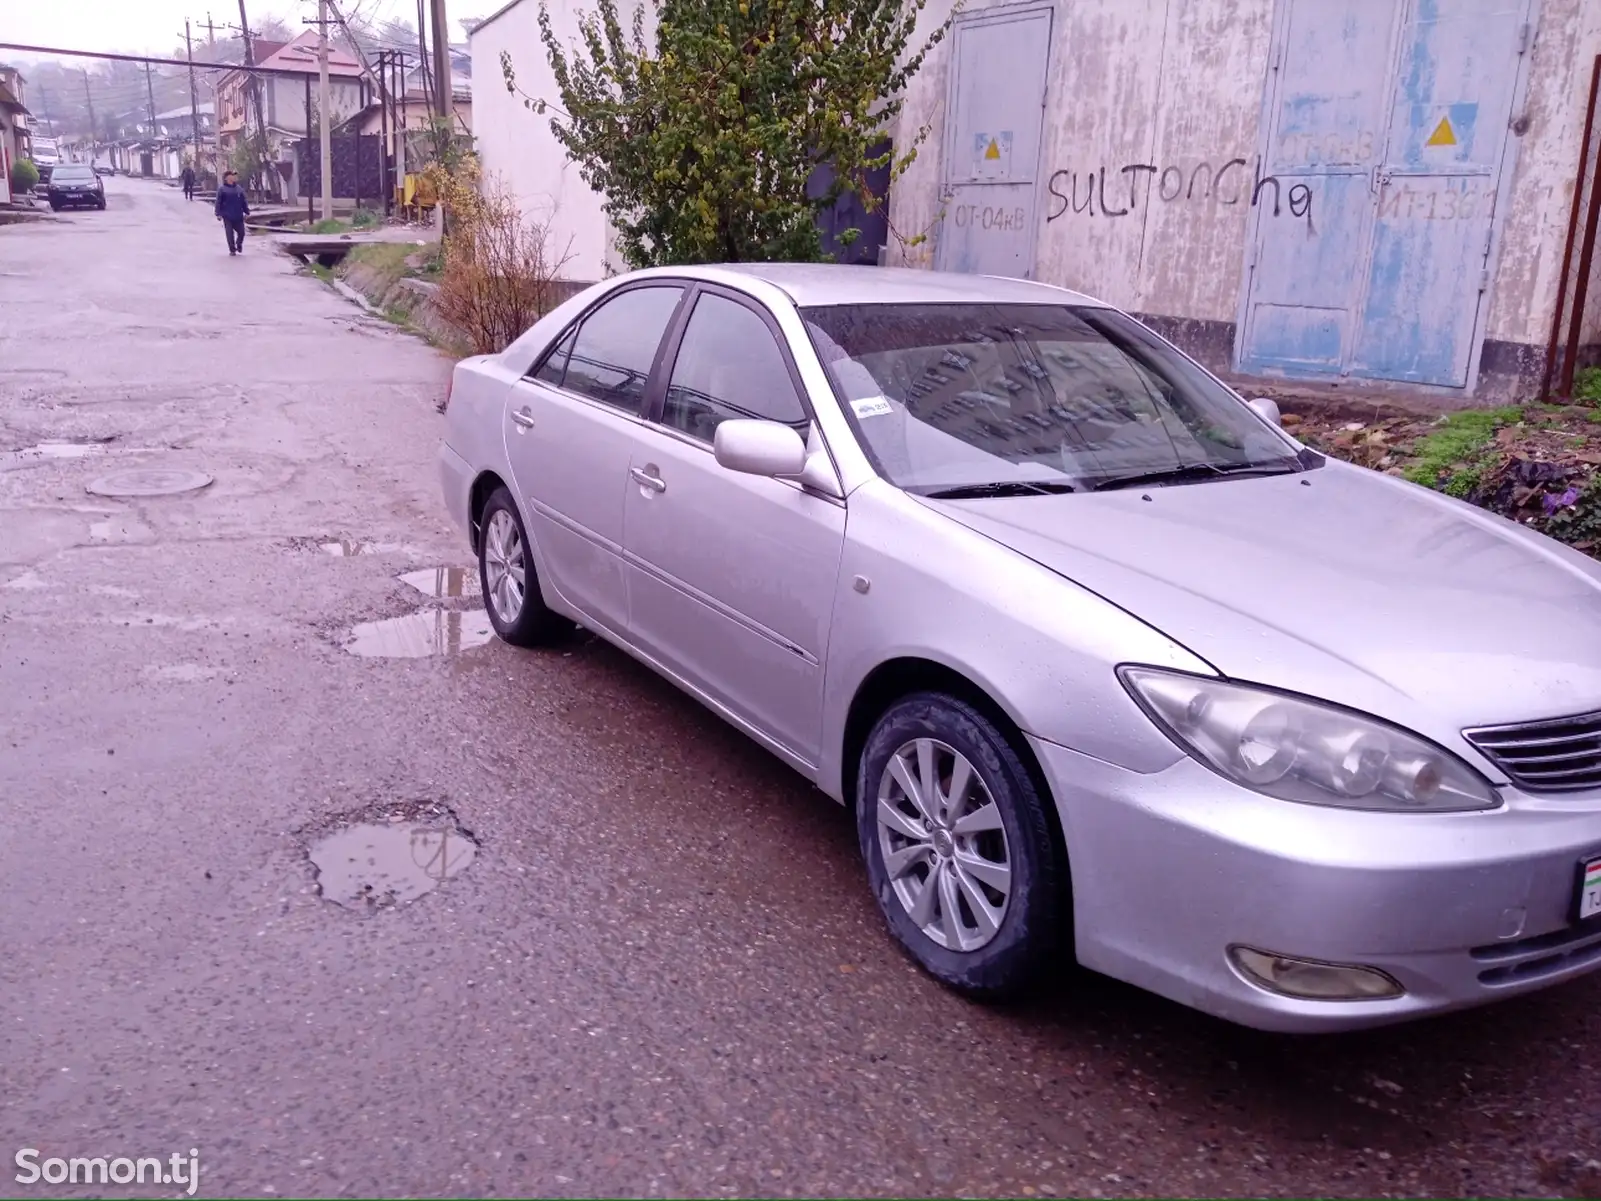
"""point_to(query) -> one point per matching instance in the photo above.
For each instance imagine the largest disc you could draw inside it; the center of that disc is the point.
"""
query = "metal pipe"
(1573, 233)
(159, 62)
(1581, 286)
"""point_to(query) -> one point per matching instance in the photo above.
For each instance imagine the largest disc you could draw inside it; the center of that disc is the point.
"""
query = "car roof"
(830, 283)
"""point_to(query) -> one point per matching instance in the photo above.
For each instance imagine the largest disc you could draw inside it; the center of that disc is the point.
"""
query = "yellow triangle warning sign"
(994, 150)
(1443, 134)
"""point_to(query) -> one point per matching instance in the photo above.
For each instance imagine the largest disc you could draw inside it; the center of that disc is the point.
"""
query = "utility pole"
(442, 90)
(150, 92)
(254, 85)
(44, 109)
(211, 31)
(194, 99)
(422, 51)
(90, 100)
(324, 103)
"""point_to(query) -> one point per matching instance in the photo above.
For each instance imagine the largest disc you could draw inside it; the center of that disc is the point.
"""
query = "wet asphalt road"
(662, 973)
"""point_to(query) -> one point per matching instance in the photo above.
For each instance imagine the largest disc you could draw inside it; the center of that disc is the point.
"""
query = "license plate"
(1590, 889)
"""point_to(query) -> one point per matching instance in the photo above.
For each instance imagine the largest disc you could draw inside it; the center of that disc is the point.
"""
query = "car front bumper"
(1172, 868)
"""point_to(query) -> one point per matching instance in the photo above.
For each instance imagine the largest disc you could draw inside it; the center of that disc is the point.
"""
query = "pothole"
(148, 481)
(420, 635)
(49, 452)
(395, 859)
(444, 583)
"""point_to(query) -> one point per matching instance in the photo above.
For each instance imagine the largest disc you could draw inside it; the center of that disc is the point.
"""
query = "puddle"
(378, 864)
(48, 451)
(419, 635)
(444, 583)
(345, 548)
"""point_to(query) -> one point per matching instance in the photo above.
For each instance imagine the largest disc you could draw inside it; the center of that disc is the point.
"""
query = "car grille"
(1560, 755)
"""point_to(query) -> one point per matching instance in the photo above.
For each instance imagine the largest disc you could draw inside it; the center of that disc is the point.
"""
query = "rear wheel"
(959, 847)
(506, 575)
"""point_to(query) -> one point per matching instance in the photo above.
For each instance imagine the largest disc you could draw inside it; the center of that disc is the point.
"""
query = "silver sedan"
(1105, 663)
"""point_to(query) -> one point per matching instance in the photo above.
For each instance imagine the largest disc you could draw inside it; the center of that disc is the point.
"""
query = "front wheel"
(960, 850)
(507, 577)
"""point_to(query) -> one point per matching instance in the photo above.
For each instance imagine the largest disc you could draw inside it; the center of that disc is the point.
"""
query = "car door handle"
(524, 418)
(645, 479)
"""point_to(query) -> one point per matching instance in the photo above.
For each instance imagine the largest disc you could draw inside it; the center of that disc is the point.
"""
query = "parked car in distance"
(102, 169)
(46, 156)
(1104, 661)
(75, 185)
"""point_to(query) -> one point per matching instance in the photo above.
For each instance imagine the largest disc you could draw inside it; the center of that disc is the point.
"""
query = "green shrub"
(1587, 385)
(362, 218)
(24, 176)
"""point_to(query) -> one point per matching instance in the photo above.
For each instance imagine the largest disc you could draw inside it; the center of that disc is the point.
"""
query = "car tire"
(518, 613)
(101, 205)
(1005, 939)
(54, 207)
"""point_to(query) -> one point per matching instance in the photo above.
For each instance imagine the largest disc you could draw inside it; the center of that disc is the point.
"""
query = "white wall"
(1180, 83)
(517, 145)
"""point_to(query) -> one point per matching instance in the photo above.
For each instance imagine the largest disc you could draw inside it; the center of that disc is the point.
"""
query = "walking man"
(232, 207)
(188, 181)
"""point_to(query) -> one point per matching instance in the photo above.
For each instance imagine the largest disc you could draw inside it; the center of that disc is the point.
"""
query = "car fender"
(915, 584)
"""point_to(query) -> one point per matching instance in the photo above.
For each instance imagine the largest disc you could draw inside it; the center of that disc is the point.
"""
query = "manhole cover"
(378, 864)
(148, 481)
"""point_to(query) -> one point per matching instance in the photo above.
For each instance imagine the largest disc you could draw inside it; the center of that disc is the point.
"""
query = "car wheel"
(506, 574)
(101, 204)
(54, 207)
(959, 847)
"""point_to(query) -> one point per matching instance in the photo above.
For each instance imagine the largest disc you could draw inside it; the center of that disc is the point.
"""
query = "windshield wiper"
(997, 488)
(1194, 471)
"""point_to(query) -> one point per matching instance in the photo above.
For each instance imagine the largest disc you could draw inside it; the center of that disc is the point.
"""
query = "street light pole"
(323, 113)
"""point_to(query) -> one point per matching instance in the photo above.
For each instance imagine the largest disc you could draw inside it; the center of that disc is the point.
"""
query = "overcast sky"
(155, 26)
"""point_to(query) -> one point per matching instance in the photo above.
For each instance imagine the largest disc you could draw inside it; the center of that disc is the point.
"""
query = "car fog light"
(1312, 980)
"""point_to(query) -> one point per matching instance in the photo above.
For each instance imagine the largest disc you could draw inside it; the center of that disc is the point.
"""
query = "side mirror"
(1266, 409)
(759, 448)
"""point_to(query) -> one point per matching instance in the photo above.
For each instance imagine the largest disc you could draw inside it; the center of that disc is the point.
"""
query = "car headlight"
(1300, 750)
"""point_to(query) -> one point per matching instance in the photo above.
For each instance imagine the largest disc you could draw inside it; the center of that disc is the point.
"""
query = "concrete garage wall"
(1150, 166)
(517, 144)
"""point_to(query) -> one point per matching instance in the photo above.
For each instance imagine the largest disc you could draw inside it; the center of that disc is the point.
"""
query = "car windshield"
(1032, 398)
(72, 174)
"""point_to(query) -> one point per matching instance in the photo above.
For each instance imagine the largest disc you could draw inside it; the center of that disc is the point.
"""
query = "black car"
(73, 185)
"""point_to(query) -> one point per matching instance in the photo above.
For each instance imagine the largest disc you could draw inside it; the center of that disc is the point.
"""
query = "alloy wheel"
(505, 566)
(944, 844)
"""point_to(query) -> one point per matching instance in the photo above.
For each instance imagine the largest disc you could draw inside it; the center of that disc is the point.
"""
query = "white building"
(517, 144)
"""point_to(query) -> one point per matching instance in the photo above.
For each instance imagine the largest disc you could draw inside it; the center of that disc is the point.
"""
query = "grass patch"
(331, 226)
(363, 219)
(1587, 385)
(1444, 458)
(323, 273)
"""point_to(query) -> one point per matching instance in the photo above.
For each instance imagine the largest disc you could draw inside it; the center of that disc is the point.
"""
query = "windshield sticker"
(872, 406)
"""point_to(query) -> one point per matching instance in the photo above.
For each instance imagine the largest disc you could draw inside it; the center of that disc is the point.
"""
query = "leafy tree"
(703, 143)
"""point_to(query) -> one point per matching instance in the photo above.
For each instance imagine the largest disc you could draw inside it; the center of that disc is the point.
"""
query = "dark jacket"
(232, 204)
(188, 175)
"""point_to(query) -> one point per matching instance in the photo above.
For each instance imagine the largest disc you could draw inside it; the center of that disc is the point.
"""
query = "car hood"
(1340, 583)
